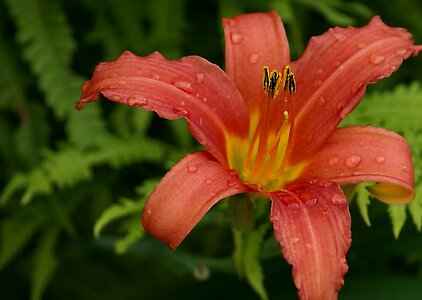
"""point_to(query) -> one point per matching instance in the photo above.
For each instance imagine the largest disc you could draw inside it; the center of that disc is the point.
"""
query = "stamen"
(269, 141)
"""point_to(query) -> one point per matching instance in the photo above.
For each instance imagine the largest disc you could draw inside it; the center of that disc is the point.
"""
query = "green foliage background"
(73, 184)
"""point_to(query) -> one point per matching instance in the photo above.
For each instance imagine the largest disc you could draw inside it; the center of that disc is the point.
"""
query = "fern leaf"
(398, 218)
(48, 46)
(363, 200)
(134, 232)
(253, 269)
(17, 231)
(246, 255)
(116, 211)
(415, 207)
(44, 263)
(17, 182)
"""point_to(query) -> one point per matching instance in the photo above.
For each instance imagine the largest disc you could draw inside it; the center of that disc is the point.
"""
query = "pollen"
(271, 81)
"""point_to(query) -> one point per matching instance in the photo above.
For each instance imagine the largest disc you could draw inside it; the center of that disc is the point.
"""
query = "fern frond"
(17, 230)
(415, 207)
(116, 211)
(363, 200)
(48, 46)
(134, 232)
(44, 263)
(398, 217)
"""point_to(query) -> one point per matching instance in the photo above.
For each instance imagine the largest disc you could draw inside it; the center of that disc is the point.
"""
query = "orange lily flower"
(268, 126)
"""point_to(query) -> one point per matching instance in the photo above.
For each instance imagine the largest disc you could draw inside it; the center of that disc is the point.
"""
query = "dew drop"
(338, 199)
(232, 183)
(201, 123)
(154, 75)
(380, 159)
(353, 161)
(204, 99)
(236, 37)
(317, 83)
(401, 51)
(403, 167)
(376, 59)
(340, 106)
(320, 71)
(113, 75)
(294, 240)
(184, 86)
(340, 37)
(182, 103)
(149, 211)
(309, 199)
(357, 86)
(322, 101)
(253, 59)
(192, 169)
(121, 82)
(200, 77)
(180, 111)
(201, 272)
(333, 161)
(231, 22)
(361, 45)
(343, 261)
(293, 206)
(208, 181)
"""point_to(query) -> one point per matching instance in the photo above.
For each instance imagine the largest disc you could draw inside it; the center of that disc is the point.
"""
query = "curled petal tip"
(79, 105)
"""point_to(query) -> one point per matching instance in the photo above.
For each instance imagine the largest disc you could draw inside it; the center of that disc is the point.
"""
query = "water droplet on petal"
(149, 211)
(401, 51)
(192, 169)
(321, 101)
(253, 59)
(180, 111)
(357, 86)
(333, 161)
(204, 99)
(200, 77)
(294, 239)
(236, 37)
(338, 199)
(376, 59)
(232, 183)
(340, 37)
(201, 123)
(154, 75)
(293, 206)
(380, 159)
(121, 82)
(231, 22)
(317, 83)
(182, 103)
(353, 161)
(308, 199)
(320, 71)
(361, 45)
(403, 167)
(208, 181)
(184, 86)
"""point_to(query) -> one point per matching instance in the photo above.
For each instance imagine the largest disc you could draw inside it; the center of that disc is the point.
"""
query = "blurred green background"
(73, 184)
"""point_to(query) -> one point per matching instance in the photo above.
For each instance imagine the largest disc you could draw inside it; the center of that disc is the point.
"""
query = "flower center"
(270, 131)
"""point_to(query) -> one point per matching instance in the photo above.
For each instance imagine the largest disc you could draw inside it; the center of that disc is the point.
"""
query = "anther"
(271, 81)
(289, 82)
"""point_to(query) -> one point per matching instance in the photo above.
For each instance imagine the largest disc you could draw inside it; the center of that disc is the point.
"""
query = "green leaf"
(363, 201)
(134, 232)
(253, 269)
(122, 209)
(398, 218)
(246, 255)
(17, 231)
(44, 263)
(415, 207)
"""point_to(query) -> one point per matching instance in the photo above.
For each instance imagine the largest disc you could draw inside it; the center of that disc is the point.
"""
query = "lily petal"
(191, 88)
(251, 42)
(360, 154)
(185, 194)
(329, 87)
(312, 225)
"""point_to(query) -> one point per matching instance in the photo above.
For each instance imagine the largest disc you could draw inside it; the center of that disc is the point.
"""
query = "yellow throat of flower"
(260, 159)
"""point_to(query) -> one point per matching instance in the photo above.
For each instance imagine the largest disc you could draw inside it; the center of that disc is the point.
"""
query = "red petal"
(191, 88)
(361, 154)
(333, 73)
(312, 225)
(185, 194)
(253, 41)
